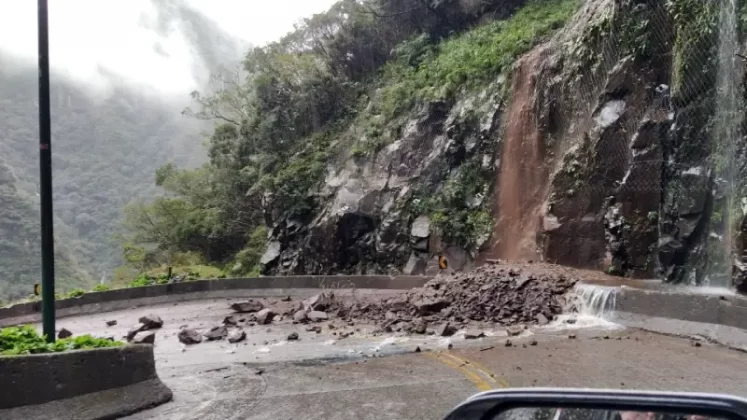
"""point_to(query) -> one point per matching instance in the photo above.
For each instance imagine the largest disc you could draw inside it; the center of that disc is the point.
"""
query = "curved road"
(367, 377)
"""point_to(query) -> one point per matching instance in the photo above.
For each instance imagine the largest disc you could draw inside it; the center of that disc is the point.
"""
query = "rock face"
(602, 155)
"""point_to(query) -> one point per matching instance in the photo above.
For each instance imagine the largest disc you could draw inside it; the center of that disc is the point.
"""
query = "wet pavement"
(363, 376)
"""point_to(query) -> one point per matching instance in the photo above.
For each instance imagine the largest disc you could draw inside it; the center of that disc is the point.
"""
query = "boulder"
(319, 302)
(419, 326)
(446, 330)
(421, 227)
(151, 321)
(189, 336)
(317, 316)
(300, 316)
(248, 306)
(272, 253)
(473, 334)
(293, 336)
(514, 330)
(431, 305)
(542, 319)
(134, 330)
(230, 320)
(235, 335)
(217, 332)
(144, 337)
(265, 316)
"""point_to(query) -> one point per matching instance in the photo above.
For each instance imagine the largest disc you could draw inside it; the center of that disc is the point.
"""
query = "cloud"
(91, 40)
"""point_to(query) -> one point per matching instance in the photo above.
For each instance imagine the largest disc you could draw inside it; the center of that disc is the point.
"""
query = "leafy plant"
(26, 340)
(101, 288)
(76, 293)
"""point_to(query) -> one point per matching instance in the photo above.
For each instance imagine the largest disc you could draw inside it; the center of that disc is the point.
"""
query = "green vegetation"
(76, 293)
(25, 340)
(344, 80)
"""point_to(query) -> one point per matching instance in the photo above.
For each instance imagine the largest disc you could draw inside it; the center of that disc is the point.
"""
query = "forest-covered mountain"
(598, 133)
(107, 145)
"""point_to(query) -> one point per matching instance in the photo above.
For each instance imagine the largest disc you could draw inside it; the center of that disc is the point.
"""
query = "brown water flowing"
(522, 178)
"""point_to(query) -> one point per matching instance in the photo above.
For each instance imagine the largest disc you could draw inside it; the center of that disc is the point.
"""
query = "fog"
(146, 42)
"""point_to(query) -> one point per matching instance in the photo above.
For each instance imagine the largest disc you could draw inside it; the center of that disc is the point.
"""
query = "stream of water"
(727, 133)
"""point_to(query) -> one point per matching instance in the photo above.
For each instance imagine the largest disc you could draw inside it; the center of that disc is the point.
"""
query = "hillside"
(107, 144)
(602, 134)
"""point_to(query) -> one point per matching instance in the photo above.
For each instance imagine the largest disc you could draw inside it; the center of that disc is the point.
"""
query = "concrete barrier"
(81, 384)
(684, 311)
(112, 300)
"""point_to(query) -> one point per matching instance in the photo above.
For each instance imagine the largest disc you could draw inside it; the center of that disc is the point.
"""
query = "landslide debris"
(492, 293)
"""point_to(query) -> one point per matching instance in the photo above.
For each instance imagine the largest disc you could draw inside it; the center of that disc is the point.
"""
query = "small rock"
(514, 330)
(508, 343)
(417, 349)
(570, 321)
(419, 327)
(111, 323)
(317, 316)
(189, 336)
(134, 330)
(248, 306)
(300, 316)
(533, 343)
(473, 334)
(265, 316)
(145, 337)
(695, 343)
(319, 302)
(259, 371)
(217, 332)
(572, 336)
(450, 346)
(486, 348)
(235, 335)
(230, 320)
(64, 333)
(151, 322)
(293, 336)
(541, 319)
(446, 330)
(286, 299)
(314, 328)
(606, 337)
(331, 326)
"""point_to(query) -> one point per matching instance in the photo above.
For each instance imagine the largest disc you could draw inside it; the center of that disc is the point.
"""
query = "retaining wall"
(690, 312)
(113, 300)
(129, 372)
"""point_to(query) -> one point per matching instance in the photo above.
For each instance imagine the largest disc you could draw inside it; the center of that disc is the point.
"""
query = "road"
(367, 377)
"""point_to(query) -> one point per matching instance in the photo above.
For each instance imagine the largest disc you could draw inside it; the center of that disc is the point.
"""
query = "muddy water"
(522, 180)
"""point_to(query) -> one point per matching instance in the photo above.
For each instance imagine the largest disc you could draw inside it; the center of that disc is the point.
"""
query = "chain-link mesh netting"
(662, 161)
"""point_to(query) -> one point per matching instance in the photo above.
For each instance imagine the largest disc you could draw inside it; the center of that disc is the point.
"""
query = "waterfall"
(727, 133)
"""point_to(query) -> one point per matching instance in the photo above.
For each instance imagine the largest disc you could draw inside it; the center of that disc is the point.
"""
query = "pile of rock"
(498, 294)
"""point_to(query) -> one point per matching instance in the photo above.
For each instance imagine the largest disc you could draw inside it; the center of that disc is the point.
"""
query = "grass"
(25, 340)
(462, 63)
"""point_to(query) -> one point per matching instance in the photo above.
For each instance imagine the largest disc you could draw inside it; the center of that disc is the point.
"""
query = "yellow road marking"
(502, 383)
(481, 377)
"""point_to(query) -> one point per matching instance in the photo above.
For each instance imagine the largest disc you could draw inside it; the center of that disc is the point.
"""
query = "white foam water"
(588, 306)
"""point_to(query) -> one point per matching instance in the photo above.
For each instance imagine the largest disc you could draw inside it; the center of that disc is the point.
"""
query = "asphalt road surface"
(323, 377)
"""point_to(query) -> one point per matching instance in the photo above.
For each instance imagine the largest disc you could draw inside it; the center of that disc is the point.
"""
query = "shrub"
(101, 288)
(25, 340)
(76, 293)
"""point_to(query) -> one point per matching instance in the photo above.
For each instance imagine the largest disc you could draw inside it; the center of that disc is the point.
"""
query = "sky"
(89, 38)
